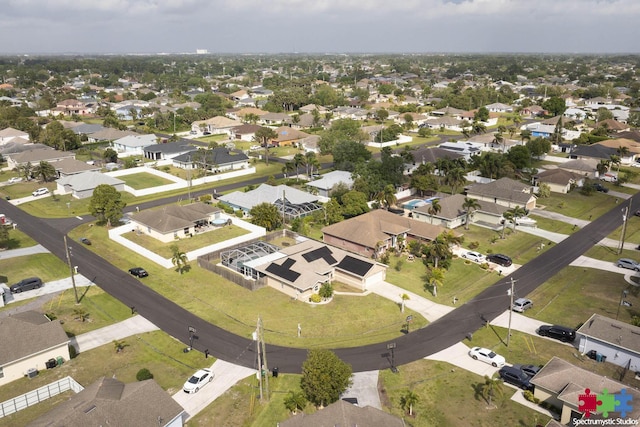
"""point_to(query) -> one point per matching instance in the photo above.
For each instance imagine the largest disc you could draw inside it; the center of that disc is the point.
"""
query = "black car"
(138, 272)
(515, 376)
(558, 332)
(601, 188)
(500, 259)
(26, 285)
(85, 241)
(530, 370)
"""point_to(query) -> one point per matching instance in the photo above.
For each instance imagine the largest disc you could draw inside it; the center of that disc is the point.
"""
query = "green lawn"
(139, 181)
(553, 225)
(18, 239)
(236, 309)
(156, 351)
(217, 235)
(46, 266)
(576, 205)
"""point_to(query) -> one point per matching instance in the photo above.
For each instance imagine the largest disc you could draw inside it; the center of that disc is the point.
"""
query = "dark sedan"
(138, 272)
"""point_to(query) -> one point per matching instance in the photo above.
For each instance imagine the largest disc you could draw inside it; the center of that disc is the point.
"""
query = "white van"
(40, 192)
(609, 177)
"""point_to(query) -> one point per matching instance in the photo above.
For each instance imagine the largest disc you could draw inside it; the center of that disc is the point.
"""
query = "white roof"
(267, 194)
(88, 180)
(137, 140)
(332, 178)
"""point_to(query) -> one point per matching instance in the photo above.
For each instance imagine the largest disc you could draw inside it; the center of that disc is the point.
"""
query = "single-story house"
(584, 167)
(614, 126)
(593, 151)
(134, 144)
(310, 144)
(287, 136)
(632, 146)
(239, 114)
(452, 213)
(372, 233)
(448, 111)
(465, 148)
(81, 185)
(560, 384)
(445, 122)
(37, 155)
(559, 180)
(295, 203)
(300, 270)
(275, 119)
(7, 134)
(343, 413)
(109, 134)
(498, 107)
(215, 125)
(215, 160)
(66, 167)
(109, 401)
(329, 181)
(504, 191)
(167, 151)
(29, 339)
(173, 222)
(245, 132)
(618, 341)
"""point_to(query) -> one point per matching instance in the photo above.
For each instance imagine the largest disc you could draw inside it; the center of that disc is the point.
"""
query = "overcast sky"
(316, 26)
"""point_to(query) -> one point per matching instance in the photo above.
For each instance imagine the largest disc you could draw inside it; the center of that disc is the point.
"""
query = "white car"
(40, 192)
(198, 380)
(474, 256)
(487, 356)
(15, 179)
(255, 147)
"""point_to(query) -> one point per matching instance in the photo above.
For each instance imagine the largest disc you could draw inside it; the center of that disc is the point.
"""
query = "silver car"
(628, 263)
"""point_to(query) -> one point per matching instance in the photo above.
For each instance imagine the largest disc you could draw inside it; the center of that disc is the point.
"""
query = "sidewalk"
(132, 326)
(31, 250)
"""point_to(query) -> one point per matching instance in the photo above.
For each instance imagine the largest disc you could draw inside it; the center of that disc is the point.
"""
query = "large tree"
(324, 377)
(470, 206)
(263, 136)
(346, 154)
(266, 215)
(44, 172)
(106, 204)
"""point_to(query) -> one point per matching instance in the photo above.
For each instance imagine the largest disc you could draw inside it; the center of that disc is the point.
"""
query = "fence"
(36, 396)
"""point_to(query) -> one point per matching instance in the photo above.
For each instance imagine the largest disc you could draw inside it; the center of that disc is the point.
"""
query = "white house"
(134, 144)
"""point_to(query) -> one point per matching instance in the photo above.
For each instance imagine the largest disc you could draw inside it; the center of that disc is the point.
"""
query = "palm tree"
(44, 171)
(469, 205)
(25, 170)
(407, 400)
(478, 128)
(263, 136)
(491, 387)
(437, 249)
(288, 168)
(498, 139)
(506, 217)
(525, 135)
(295, 401)
(403, 298)
(435, 279)
(454, 178)
(119, 345)
(389, 195)
(603, 166)
(434, 209)
(615, 160)
(299, 160)
(179, 258)
(516, 213)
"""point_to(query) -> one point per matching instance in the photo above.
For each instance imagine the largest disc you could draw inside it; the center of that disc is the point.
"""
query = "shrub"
(72, 352)
(474, 245)
(399, 265)
(315, 298)
(144, 374)
(326, 290)
(530, 397)
(484, 265)
(489, 251)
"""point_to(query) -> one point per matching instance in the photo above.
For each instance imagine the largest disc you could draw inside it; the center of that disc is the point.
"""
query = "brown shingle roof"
(504, 189)
(174, 217)
(111, 402)
(451, 207)
(342, 413)
(379, 225)
(558, 176)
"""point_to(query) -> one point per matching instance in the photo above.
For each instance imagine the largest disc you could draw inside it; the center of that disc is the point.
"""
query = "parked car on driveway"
(530, 370)
(40, 192)
(15, 179)
(601, 188)
(26, 285)
(515, 376)
(487, 356)
(628, 263)
(138, 272)
(558, 332)
(500, 259)
(198, 380)
(522, 304)
(473, 256)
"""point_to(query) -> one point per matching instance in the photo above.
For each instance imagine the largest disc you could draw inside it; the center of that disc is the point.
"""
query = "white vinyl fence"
(36, 396)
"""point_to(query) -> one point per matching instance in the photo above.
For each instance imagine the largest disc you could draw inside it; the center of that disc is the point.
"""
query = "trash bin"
(51, 363)
(32, 372)
(599, 357)
(60, 360)
(275, 372)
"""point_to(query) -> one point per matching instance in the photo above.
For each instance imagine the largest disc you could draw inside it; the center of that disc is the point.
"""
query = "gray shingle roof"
(174, 217)
(87, 180)
(614, 332)
(504, 189)
(343, 413)
(267, 194)
(24, 334)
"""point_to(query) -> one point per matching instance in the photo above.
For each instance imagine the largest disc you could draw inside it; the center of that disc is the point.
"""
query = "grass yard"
(101, 309)
(553, 225)
(156, 351)
(142, 180)
(219, 234)
(576, 205)
(574, 294)
(450, 396)
(346, 321)
(18, 239)
(46, 266)
(464, 279)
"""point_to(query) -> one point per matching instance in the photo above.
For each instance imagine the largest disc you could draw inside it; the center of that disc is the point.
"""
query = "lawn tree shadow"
(477, 392)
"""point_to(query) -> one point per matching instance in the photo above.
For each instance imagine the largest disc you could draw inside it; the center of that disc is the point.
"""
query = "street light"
(392, 346)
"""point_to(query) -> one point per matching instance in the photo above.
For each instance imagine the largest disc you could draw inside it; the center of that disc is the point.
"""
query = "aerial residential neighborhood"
(266, 240)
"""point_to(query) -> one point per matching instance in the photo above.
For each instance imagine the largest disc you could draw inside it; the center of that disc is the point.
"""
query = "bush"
(474, 245)
(315, 298)
(530, 397)
(399, 265)
(72, 352)
(326, 290)
(144, 374)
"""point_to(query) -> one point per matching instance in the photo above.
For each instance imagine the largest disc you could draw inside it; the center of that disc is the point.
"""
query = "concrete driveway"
(365, 389)
(225, 376)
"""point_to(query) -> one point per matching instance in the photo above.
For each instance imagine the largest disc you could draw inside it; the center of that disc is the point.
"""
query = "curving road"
(437, 336)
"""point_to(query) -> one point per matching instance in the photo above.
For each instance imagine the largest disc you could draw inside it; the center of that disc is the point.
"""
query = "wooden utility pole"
(510, 311)
(71, 269)
(262, 362)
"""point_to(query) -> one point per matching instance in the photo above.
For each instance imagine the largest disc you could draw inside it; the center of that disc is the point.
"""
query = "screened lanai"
(238, 258)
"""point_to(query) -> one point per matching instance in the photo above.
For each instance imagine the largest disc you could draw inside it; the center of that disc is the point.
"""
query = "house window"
(186, 230)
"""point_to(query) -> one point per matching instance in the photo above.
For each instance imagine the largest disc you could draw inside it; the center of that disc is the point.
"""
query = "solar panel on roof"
(355, 266)
(288, 263)
(285, 273)
(323, 252)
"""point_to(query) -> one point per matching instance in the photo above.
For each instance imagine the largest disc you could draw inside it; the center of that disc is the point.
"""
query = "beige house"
(560, 384)
(8, 134)
(559, 180)
(504, 191)
(452, 213)
(36, 156)
(29, 339)
(109, 402)
(300, 270)
(216, 125)
(173, 222)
